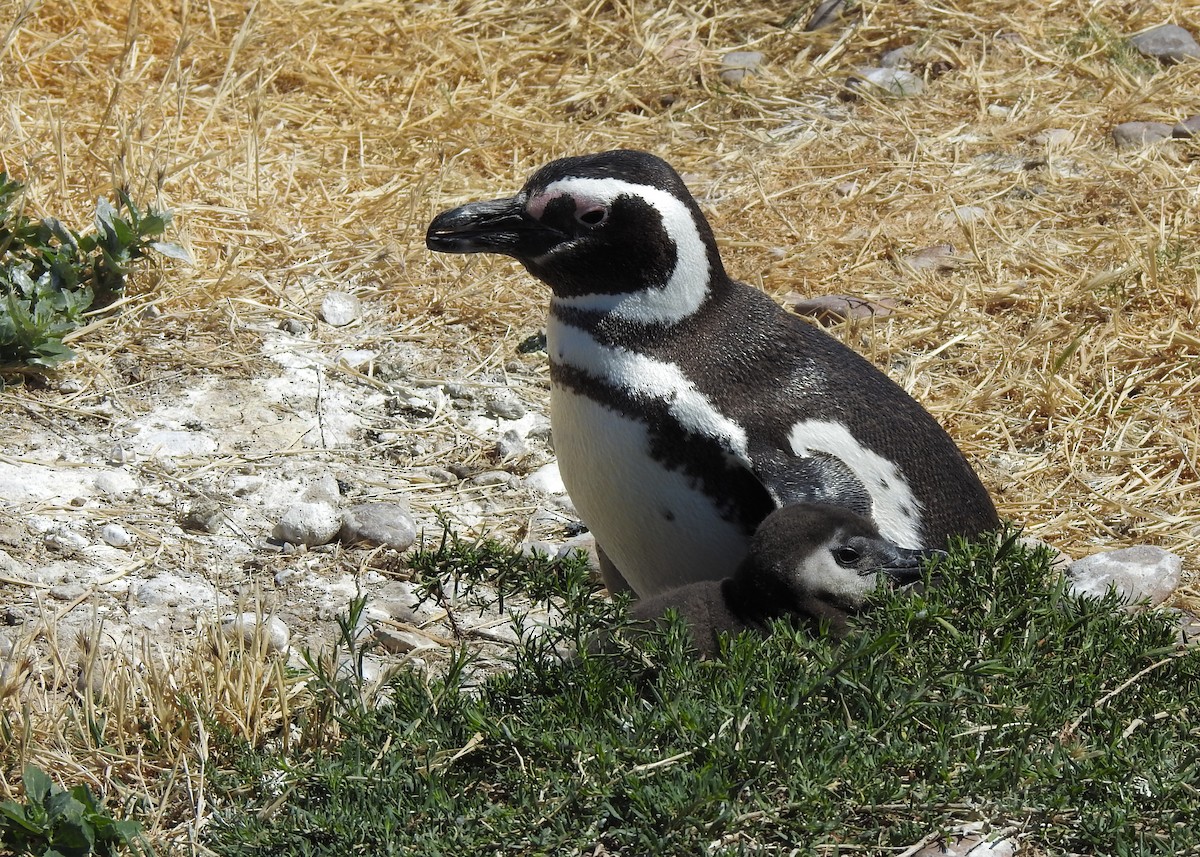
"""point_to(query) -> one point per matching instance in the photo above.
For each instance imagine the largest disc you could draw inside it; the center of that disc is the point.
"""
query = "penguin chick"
(810, 563)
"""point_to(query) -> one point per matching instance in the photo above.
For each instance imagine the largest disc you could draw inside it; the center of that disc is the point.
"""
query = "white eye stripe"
(687, 287)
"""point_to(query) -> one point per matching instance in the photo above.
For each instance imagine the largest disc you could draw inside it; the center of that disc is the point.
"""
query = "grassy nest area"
(1039, 288)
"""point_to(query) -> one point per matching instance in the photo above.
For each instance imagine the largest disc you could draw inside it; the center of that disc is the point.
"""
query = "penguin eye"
(592, 216)
(846, 556)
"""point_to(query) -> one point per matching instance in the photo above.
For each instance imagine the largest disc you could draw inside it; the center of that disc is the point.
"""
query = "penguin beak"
(903, 565)
(495, 226)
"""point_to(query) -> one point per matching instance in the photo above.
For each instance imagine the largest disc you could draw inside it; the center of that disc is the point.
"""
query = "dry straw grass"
(305, 144)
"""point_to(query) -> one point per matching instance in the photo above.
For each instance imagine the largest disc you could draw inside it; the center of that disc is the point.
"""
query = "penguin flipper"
(818, 479)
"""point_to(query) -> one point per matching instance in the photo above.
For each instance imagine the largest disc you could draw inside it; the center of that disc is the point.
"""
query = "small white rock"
(963, 214)
(116, 484)
(892, 81)
(398, 642)
(736, 66)
(116, 535)
(167, 589)
(389, 524)
(546, 479)
(65, 539)
(308, 524)
(504, 404)
(249, 625)
(511, 445)
(339, 309)
(324, 489)
(1054, 138)
(1139, 574)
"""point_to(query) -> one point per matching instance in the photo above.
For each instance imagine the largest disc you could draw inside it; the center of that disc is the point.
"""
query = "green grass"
(995, 696)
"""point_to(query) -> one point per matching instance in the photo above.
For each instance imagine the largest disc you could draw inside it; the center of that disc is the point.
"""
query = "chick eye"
(592, 216)
(846, 556)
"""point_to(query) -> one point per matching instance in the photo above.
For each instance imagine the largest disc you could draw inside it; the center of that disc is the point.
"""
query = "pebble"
(1130, 134)
(250, 625)
(67, 591)
(459, 392)
(116, 484)
(584, 543)
(12, 567)
(503, 404)
(294, 326)
(544, 549)
(511, 445)
(833, 309)
(1168, 43)
(366, 667)
(1189, 127)
(827, 13)
(1140, 574)
(398, 642)
(202, 515)
(900, 57)
(323, 489)
(399, 600)
(736, 66)
(492, 477)
(116, 535)
(889, 81)
(308, 524)
(167, 589)
(340, 309)
(1054, 138)
(546, 479)
(962, 214)
(682, 53)
(939, 257)
(65, 539)
(357, 358)
(383, 523)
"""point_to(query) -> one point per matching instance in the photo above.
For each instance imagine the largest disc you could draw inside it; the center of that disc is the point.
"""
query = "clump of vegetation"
(994, 695)
(57, 823)
(50, 275)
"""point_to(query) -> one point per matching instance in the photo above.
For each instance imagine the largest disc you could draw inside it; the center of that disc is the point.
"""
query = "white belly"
(656, 526)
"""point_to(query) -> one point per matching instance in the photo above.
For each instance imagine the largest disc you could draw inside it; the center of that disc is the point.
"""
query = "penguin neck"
(751, 601)
(753, 598)
(636, 321)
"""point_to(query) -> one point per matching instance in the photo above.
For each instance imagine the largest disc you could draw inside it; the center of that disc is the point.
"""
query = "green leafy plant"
(50, 275)
(995, 695)
(57, 823)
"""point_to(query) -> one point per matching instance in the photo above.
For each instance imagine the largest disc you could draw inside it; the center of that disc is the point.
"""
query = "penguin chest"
(652, 518)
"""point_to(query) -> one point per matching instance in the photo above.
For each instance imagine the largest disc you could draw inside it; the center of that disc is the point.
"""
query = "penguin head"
(607, 232)
(822, 562)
